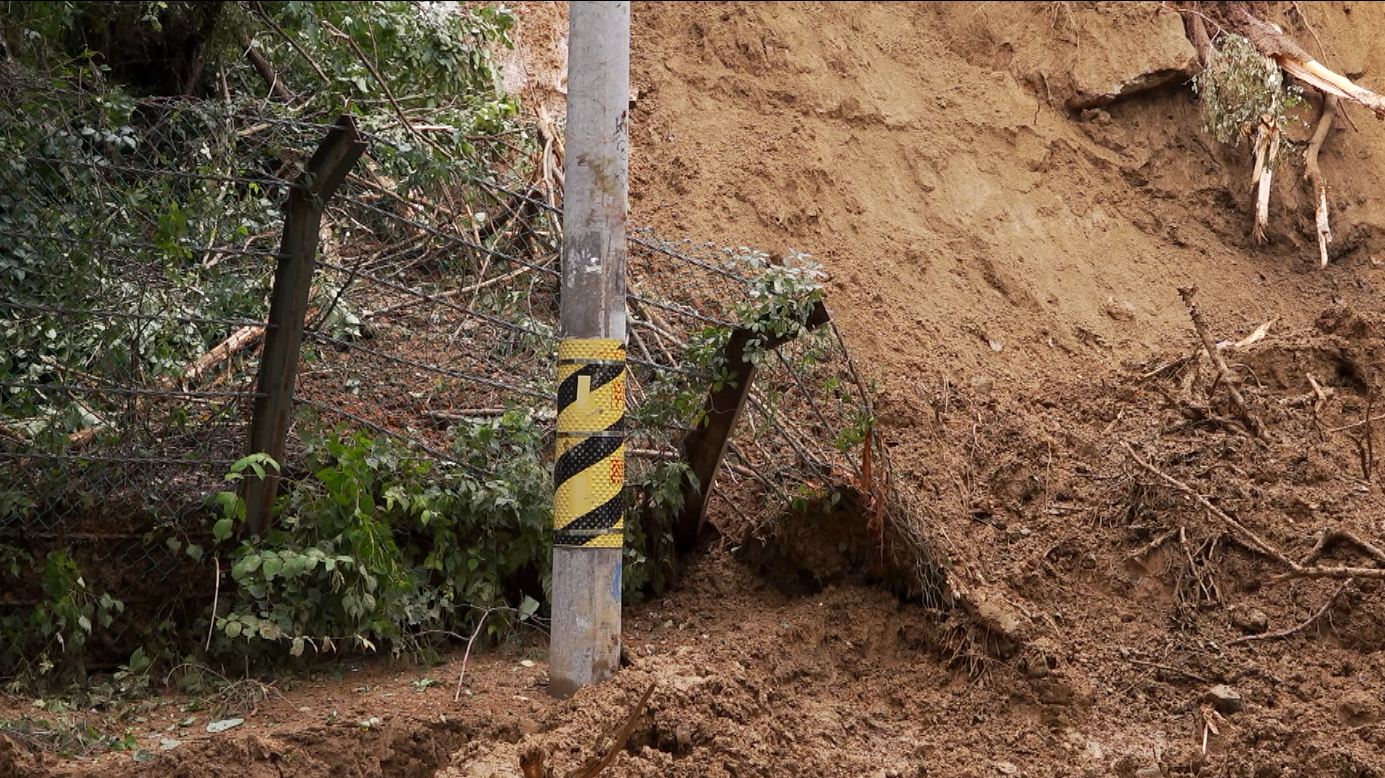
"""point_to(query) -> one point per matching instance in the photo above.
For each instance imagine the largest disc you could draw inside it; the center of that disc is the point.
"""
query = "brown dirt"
(1006, 271)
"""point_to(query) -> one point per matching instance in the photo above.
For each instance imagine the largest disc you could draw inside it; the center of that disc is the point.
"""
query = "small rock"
(1007, 768)
(1223, 698)
(526, 663)
(1119, 310)
(1251, 621)
(224, 724)
(168, 744)
(682, 735)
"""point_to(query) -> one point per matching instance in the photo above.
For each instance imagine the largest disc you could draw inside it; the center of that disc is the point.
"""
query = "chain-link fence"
(138, 245)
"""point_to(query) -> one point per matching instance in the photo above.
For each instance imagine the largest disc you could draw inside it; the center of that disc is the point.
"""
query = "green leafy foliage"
(59, 622)
(1242, 89)
(378, 546)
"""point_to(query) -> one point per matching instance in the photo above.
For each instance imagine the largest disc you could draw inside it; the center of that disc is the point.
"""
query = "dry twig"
(1284, 633)
(1227, 377)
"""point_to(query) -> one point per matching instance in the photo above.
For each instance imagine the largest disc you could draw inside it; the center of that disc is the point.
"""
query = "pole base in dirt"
(584, 642)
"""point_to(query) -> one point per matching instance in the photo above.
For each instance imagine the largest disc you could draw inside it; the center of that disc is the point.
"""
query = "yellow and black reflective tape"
(589, 475)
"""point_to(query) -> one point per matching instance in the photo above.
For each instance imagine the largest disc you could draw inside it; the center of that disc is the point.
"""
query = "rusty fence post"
(288, 308)
(705, 446)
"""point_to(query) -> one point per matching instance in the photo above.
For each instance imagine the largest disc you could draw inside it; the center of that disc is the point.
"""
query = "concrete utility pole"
(589, 473)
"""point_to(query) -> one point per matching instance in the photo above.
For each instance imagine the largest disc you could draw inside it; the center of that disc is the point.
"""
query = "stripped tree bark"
(1266, 151)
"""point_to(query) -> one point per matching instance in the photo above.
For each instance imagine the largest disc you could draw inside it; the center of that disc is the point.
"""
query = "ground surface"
(1006, 269)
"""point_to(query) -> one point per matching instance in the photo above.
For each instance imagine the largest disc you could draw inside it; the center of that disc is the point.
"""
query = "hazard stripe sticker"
(589, 473)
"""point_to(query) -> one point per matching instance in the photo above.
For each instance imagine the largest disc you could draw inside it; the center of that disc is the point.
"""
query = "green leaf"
(221, 529)
(272, 566)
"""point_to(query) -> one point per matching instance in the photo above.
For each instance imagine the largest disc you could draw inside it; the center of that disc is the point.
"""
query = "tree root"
(1266, 151)
(1332, 537)
(1247, 537)
(1284, 633)
(1315, 176)
(1273, 43)
(1224, 373)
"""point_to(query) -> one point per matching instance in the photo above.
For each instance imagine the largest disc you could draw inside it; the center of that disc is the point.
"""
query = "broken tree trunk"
(1297, 62)
(1315, 176)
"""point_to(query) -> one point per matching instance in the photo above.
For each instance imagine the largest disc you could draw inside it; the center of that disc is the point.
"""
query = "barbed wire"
(108, 314)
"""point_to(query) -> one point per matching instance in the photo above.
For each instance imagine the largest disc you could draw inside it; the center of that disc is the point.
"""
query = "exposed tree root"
(1224, 373)
(1284, 633)
(1247, 537)
(1315, 176)
(1333, 537)
(1266, 151)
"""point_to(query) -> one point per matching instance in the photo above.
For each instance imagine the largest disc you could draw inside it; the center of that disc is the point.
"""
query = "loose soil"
(1006, 270)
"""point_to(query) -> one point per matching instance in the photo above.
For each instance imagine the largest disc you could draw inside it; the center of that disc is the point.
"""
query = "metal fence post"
(288, 307)
(705, 445)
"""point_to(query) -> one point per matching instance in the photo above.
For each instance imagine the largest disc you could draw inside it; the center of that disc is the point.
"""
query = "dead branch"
(1332, 537)
(1342, 571)
(1224, 372)
(1170, 669)
(1315, 176)
(448, 294)
(1148, 548)
(619, 738)
(1284, 633)
(1247, 535)
(241, 339)
(266, 70)
(1273, 43)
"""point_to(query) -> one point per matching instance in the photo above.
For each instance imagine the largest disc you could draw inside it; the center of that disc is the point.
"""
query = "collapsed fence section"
(414, 315)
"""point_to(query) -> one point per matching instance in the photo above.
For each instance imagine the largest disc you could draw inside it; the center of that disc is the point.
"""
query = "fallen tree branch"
(1315, 176)
(266, 70)
(410, 303)
(1297, 62)
(1284, 633)
(1248, 536)
(1227, 377)
(241, 339)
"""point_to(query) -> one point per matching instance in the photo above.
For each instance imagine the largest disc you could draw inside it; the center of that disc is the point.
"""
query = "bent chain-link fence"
(130, 324)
